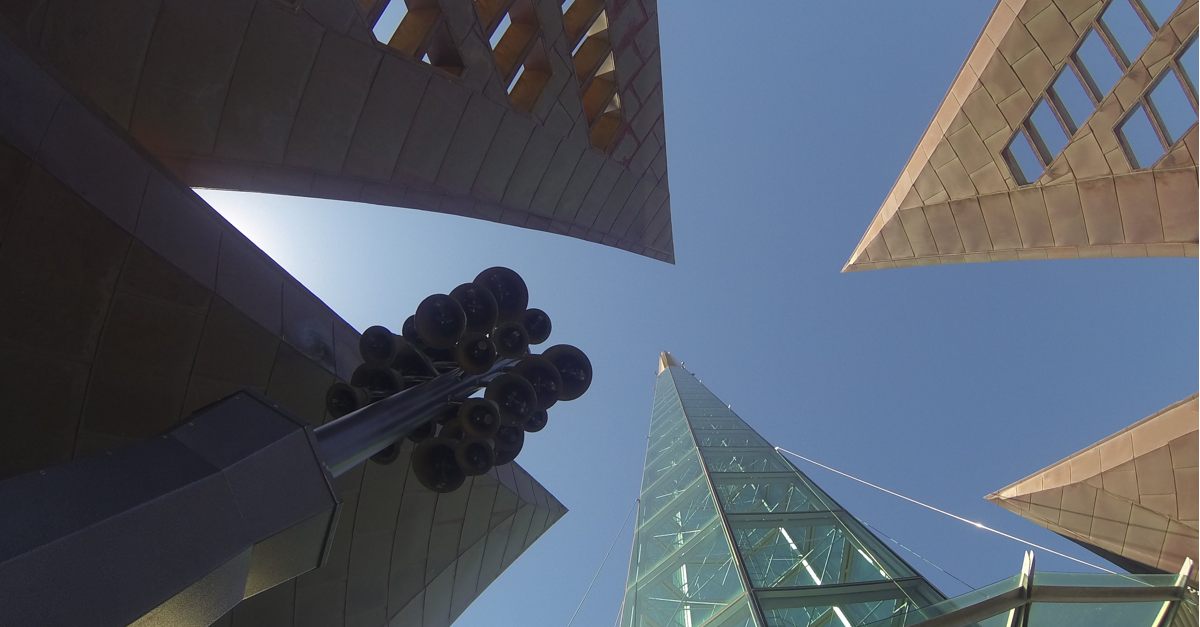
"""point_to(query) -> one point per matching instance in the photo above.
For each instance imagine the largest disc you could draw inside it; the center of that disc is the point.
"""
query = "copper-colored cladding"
(957, 199)
(1133, 494)
(666, 360)
(300, 99)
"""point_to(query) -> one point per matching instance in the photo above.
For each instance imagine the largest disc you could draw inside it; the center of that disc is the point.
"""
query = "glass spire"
(730, 534)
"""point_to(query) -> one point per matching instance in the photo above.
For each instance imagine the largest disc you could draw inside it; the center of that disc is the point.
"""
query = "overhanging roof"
(300, 98)
(958, 198)
(1133, 493)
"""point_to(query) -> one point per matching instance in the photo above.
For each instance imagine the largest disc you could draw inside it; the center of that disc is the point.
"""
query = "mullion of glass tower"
(730, 534)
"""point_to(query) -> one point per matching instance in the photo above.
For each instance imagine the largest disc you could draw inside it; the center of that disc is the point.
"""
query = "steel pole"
(355, 437)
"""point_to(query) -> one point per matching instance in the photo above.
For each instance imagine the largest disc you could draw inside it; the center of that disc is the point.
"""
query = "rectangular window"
(766, 494)
(1023, 160)
(1047, 130)
(747, 460)
(874, 605)
(1172, 106)
(739, 438)
(1160, 10)
(676, 515)
(703, 424)
(1142, 145)
(687, 586)
(389, 20)
(810, 550)
(680, 470)
(1126, 28)
(501, 28)
(1098, 64)
(1072, 98)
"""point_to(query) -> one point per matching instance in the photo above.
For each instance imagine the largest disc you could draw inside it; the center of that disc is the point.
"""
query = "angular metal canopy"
(1131, 497)
(1069, 132)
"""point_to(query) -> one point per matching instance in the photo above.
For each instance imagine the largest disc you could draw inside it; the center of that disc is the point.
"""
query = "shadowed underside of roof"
(304, 99)
(1133, 494)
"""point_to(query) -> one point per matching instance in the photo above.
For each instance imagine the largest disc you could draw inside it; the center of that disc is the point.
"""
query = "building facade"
(129, 302)
(533, 113)
(1069, 132)
(1130, 498)
(730, 534)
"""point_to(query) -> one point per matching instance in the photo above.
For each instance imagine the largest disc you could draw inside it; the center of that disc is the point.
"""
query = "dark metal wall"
(126, 302)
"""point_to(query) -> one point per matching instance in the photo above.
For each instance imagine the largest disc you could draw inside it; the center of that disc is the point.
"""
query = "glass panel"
(389, 20)
(1142, 144)
(1048, 130)
(1160, 10)
(749, 460)
(668, 442)
(1186, 614)
(885, 606)
(739, 438)
(1172, 106)
(501, 28)
(1098, 64)
(1103, 580)
(704, 424)
(1188, 61)
(1023, 160)
(1128, 31)
(684, 501)
(1076, 106)
(737, 615)
(690, 587)
(950, 605)
(773, 495)
(711, 412)
(1094, 614)
(813, 550)
(675, 525)
(680, 470)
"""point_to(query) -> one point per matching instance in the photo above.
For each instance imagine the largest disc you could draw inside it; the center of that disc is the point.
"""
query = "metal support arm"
(352, 439)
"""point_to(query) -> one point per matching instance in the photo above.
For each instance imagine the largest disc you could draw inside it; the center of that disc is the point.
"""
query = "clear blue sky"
(787, 124)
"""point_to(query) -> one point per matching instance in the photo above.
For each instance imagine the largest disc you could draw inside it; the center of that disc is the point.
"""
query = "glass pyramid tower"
(730, 534)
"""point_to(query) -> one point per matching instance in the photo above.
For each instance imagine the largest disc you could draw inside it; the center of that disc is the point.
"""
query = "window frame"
(1173, 66)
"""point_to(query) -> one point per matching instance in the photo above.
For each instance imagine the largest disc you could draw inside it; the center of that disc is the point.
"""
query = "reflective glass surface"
(1172, 106)
(769, 495)
(1098, 64)
(1118, 611)
(980, 595)
(700, 424)
(708, 477)
(696, 584)
(873, 605)
(682, 571)
(1126, 28)
(1144, 146)
(735, 438)
(1093, 614)
(744, 460)
(810, 550)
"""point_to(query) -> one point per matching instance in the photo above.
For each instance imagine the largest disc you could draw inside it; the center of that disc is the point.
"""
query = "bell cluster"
(468, 332)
